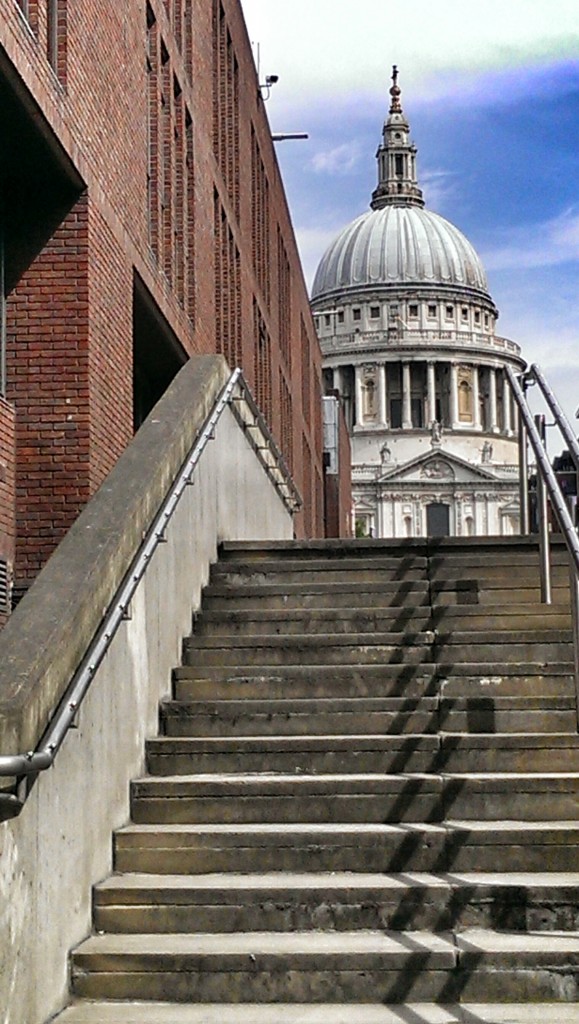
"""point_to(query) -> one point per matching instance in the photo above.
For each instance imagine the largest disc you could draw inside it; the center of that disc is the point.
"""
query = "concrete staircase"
(362, 806)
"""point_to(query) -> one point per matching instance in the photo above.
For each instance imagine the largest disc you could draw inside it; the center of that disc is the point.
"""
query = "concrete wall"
(61, 844)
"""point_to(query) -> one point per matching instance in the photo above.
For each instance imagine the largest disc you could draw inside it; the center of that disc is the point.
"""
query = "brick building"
(142, 220)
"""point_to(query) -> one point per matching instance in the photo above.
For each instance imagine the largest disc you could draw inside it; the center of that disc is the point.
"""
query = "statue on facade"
(435, 432)
(487, 452)
(385, 454)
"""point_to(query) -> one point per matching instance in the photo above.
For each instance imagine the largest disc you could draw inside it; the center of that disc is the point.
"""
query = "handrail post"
(543, 523)
(574, 590)
(524, 525)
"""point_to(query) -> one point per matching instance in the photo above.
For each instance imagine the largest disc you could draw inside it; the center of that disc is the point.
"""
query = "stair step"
(273, 682)
(277, 901)
(369, 715)
(311, 649)
(370, 619)
(364, 753)
(353, 798)
(291, 717)
(329, 966)
(453, 846)
(89, 1012)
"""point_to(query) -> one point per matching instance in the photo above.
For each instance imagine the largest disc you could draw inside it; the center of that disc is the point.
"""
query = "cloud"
(544, 244)
(438, 186)
(328, 50)
(339, 160)
(312, 243)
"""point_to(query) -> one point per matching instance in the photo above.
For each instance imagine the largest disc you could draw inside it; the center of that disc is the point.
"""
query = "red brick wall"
(157, 107)
(48, 382)
(7, 504)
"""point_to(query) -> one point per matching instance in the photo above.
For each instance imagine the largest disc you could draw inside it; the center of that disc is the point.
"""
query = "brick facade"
(150, 224)
(7, 506)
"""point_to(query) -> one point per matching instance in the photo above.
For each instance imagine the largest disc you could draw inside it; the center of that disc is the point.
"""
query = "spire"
(397, 182)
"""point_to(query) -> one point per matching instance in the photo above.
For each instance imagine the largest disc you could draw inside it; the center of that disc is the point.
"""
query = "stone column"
(475, 399)
(406, 397)
(359, 407)
(381, 386)
(493, 400)
(453, 396)
(431, 392)
(507, 421)
(337, 381)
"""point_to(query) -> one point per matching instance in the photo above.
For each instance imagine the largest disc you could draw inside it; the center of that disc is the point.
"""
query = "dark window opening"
(432, 311)
(417, 412)
(449, 312)
(157, 354)
(413, 311)
(399, 165)
(396, 413)
(374, 312)
(356, 314)
(341, 317)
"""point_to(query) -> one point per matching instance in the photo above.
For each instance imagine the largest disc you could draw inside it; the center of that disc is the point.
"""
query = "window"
(486, 319)
(413, 311)
(449, 312)
(341, 317)
(477, 316)
(374, 312)
(327, 320)
(417, 411)
(464, 314)
(396, 413)
(356, 314)
(432, 312)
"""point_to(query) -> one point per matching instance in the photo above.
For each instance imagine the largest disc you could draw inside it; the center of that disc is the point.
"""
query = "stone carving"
(435, 432)
(385, 455)
(487, 452)
(437, 469)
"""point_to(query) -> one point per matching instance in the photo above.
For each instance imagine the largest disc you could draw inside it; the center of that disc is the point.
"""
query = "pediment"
(438, 467)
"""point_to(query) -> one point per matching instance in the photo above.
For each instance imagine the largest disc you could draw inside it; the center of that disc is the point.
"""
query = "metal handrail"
(235, 394)
(547, 482)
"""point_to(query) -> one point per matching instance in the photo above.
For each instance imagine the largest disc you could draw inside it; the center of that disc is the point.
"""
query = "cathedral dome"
(396, 245)
(397, 242)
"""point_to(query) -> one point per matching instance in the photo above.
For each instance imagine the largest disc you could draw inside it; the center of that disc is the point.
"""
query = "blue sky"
(491, 90)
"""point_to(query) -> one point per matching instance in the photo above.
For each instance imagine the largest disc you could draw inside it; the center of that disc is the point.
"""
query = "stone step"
(355, 798)
(453, 846)
(329, 966)
(291, 717)
(296, 681)
(381, 595)
(370, 619)
(90, 1012)
(337, 901)
(311, 649)
(318, 594)
(369, 715)
(525, 549)
(330, 754)
(377, 648)
(411, 566)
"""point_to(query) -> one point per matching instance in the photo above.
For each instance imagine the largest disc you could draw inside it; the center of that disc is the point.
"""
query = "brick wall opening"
(38, 183)
(157, 353)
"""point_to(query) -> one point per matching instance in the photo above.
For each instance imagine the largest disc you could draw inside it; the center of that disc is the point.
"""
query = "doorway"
(438, 519)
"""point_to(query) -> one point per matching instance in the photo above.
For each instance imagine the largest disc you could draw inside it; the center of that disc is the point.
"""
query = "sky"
(491, 91)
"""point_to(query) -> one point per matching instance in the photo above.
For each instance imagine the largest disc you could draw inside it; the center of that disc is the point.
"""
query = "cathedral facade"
(407, 329)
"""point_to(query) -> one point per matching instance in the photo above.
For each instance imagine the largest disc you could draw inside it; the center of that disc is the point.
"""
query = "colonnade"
(415, 393)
